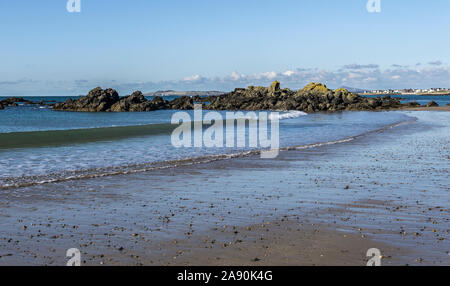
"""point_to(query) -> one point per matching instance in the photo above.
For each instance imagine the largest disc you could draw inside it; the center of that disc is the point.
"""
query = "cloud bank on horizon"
(363, 76)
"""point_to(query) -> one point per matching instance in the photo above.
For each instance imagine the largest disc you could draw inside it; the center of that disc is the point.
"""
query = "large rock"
(346, 96)
(159, 103)
(97, 100)
(412, 104)
(184, 103)
(274, 88)
(254, 91)
(315, 89)
(133, 102)
(432, 104)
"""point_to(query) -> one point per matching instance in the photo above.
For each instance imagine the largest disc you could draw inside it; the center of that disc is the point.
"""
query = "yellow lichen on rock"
(275, 86)
(316, 87)
(341, 90)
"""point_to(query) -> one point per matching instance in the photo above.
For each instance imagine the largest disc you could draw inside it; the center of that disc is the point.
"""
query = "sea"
(39, 145)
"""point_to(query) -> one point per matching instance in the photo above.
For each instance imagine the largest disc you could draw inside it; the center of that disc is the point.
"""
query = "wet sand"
(320, 206)
(283, 242)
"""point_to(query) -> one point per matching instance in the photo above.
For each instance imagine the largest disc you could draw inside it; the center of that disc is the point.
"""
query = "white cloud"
(288, 73)
(353, 75)
(367, 78)
(236, 76)
(266, 75)
(193, 78)
(360, 67)
(435, 63)
(370, 79)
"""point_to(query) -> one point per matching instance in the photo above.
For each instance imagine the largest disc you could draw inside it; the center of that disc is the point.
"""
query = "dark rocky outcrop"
(97, 100)
(158, 103)
(133, 102)
(432, 104)
(13, 101)
(184, 102)
(312, 98)
(136, 102)
(412, 104)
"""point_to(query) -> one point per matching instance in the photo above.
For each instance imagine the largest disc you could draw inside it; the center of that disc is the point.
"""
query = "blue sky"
(210, 44)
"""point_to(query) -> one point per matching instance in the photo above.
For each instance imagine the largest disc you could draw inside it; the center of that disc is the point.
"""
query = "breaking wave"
(288, 115)
(26, 181)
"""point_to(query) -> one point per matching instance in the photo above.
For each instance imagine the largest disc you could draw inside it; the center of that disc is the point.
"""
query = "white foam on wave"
(287, 115)
(145, 167)
(345, 140)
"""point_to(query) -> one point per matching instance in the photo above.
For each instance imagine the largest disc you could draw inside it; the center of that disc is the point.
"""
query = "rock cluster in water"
(314, 97)
(108, 100)
(13, 101)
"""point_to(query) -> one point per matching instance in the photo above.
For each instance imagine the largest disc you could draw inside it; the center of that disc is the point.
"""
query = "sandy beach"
(325, 205)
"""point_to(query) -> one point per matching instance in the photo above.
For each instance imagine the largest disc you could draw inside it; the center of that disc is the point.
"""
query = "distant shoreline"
(428, 94)
(185, 93)
(419, 94)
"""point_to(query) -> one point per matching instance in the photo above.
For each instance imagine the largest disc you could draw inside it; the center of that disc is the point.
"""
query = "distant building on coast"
(433, 90)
